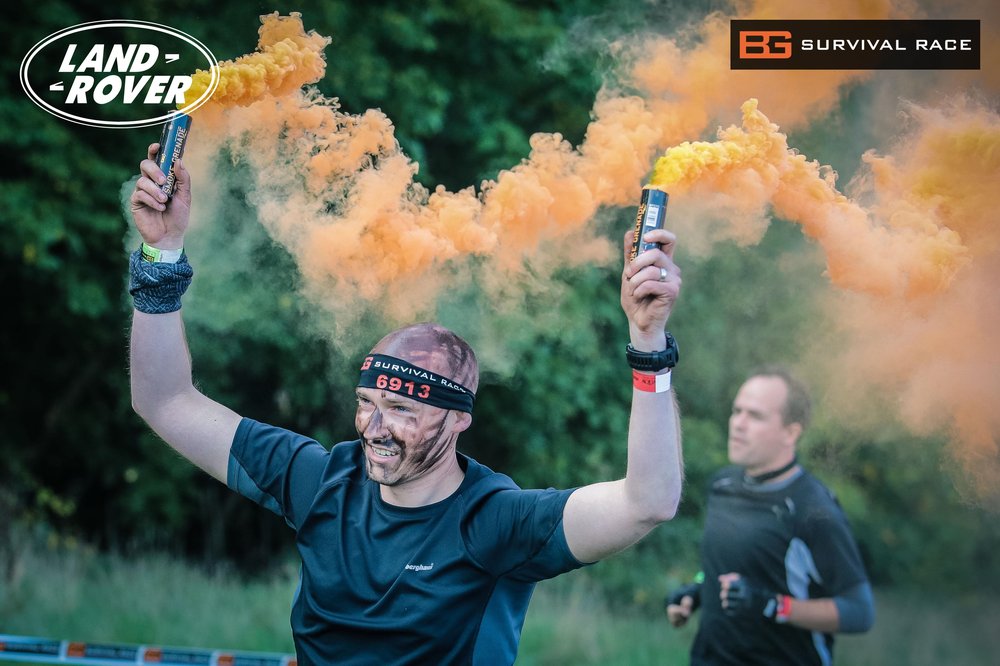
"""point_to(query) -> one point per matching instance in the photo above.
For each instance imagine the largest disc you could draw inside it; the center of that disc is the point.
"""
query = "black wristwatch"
(653, 361)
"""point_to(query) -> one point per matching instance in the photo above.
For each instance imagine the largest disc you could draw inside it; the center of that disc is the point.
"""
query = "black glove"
(693, 590)
(747, 600)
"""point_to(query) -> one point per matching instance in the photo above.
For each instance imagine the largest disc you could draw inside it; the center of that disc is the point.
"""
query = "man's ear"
(462, 421)
(794, 431)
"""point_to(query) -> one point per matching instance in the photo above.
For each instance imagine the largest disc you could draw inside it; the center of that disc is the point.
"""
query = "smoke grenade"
(650, 215)
(172, 141)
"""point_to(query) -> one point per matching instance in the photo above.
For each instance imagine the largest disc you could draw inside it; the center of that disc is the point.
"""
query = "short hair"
(428, 338)
(798, 404)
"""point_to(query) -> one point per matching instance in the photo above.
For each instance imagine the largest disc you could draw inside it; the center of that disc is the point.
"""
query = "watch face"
(675, 354)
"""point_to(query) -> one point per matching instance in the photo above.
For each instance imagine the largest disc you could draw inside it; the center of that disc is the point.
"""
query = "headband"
(388, 373)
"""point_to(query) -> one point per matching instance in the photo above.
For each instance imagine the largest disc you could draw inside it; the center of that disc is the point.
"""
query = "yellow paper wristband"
(156, 255)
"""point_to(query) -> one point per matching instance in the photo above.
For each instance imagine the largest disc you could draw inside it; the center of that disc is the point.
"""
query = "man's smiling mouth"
(382, 452)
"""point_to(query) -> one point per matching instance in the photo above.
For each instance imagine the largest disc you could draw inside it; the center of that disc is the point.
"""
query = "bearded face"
(403, 439)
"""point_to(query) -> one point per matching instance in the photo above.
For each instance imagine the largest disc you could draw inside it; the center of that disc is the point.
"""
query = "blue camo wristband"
(157, 287)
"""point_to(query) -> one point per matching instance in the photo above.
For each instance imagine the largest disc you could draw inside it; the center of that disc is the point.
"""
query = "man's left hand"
(650, 285)
(739, 597)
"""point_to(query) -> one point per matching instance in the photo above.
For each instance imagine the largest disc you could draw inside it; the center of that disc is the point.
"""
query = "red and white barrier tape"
(51, 651)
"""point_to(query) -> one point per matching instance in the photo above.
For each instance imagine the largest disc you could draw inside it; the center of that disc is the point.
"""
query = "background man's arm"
(604, 518)
(163, 393)
(815, 615)
(852, 611)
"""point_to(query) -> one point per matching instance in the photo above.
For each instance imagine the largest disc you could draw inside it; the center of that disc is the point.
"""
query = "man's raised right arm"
(163, 393)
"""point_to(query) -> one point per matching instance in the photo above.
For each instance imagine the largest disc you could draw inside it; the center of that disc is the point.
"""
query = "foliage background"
(466, 83)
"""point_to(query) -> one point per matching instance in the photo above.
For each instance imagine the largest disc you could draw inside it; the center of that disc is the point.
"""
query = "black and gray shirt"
(787, 536)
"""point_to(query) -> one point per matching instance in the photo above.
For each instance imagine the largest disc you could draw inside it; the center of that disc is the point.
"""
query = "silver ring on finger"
(663, 274)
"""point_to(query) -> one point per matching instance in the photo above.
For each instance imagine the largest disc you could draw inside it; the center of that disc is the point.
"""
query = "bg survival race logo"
(854, 44)
(119, 74)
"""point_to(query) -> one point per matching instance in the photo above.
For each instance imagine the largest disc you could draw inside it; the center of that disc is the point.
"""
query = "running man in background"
(411, 551)
(781, 570)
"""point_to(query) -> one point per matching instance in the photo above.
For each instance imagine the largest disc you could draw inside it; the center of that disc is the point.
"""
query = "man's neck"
(438, 484)
(772, 473)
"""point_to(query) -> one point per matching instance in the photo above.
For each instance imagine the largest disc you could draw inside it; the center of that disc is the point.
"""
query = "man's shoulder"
(726, 476)
(348, 450)
(816, 501)
(481, 480)
(810, 487)
(347, 456)
(263, 437)
(488, 493)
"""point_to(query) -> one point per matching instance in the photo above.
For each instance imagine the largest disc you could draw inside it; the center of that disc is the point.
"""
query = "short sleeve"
(519, 534)
(276, 468)
(835, 553)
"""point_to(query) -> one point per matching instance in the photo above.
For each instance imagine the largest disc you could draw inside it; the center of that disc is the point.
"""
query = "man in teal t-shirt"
(411, 552)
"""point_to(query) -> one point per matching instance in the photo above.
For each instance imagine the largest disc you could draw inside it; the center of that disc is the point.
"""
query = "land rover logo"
(119, 74)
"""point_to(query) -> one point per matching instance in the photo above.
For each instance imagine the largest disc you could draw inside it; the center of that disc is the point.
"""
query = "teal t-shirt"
(447, 583)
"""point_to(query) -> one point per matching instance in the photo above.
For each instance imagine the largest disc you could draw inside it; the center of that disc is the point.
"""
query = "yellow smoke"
(287, 58)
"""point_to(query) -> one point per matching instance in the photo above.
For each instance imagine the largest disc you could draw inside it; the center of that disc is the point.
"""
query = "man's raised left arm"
(604, 518)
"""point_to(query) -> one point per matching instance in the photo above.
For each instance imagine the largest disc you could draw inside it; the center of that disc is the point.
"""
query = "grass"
(921, 630)
(155, 599)
(570, 623)
(81, 595)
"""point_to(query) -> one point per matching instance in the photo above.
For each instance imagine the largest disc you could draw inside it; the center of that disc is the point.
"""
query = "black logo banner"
(854, 44)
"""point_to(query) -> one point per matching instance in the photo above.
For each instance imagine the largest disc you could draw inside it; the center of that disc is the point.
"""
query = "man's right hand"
(161, 221)
(682, 602)
(679, 614)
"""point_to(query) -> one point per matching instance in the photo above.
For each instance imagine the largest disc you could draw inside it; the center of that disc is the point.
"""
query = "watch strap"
(653, 361)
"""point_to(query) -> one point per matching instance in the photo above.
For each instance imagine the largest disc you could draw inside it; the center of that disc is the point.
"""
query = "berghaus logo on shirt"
(419, 567)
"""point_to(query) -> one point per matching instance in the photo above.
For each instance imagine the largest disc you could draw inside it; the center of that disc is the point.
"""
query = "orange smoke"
(336, 190)
(938, 354)
(922, 260)
(752, 166)
(361, 223)
(689, 86)
(353, 214)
